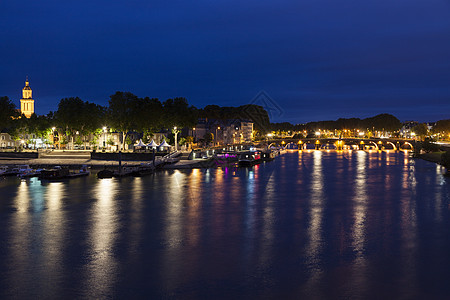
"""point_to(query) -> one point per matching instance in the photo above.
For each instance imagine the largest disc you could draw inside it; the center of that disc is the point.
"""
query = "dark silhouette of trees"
(251, 112)
(442, 126)
(75, 115)
(177, 112)
(7, 112)
(382, 122)
(420, 130)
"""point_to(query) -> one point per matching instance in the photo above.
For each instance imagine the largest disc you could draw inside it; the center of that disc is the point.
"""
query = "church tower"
(27, 102)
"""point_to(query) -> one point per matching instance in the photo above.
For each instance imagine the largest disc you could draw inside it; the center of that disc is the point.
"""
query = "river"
(309, 225)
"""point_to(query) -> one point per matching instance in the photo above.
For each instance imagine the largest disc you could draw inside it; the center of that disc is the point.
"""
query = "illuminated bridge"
(345, 143)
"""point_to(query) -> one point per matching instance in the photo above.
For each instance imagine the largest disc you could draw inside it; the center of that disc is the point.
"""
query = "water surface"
(311, 224)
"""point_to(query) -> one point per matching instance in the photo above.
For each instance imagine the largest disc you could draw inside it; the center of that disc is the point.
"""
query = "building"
(225, 132)
(6, 142)
(406, 130)
(27, 102)
(237, 132)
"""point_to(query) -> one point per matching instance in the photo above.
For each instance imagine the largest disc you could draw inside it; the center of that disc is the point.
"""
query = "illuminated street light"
(175, 131)
(216, 137)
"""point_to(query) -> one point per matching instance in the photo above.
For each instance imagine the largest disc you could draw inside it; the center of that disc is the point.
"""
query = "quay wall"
(19, 155)
(125, 156)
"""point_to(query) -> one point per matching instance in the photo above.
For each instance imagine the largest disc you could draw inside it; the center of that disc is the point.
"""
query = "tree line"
(381, 122)
(124, 113)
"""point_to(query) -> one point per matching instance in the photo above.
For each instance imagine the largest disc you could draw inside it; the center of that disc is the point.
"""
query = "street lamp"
(218, 128)
(175, 131)
(53, 135)
(104, 137)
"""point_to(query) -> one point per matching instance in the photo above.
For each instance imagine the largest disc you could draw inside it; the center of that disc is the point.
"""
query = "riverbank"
(432, 157)
(75, 163)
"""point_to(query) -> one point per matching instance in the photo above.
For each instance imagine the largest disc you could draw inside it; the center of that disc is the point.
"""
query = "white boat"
(84, 171)
(8, 171)
(25, 171)
(3, 170)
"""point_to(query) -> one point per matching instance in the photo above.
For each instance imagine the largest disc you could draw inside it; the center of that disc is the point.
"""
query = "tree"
(7, 112)
(121, 113)
(420, 130)
(92, 119)
(19, 128)
(177, 112)
(69, 115)
(148, 114)
(384, 122)
(209, 137)
(75, 115)
(442, 126)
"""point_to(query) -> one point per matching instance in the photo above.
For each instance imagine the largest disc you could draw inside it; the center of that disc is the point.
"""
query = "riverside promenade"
(75, 159)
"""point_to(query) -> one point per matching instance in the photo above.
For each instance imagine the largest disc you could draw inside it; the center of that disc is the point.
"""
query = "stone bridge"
(345, 143)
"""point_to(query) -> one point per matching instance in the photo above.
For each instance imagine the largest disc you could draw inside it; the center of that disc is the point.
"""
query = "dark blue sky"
(316, 59)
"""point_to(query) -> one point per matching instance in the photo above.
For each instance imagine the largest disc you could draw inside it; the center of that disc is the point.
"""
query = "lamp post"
(104, 137)
(218, 128)
(53, 135)
(175, 131)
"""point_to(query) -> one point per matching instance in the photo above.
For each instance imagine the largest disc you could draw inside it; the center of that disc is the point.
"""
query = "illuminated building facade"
(27, 102)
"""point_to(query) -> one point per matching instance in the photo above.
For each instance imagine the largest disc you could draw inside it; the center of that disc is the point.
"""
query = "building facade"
(6, 142)
(27, 102)
(225, 132)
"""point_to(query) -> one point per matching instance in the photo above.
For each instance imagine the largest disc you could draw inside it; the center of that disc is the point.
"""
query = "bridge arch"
(305, 146)
(375, 144)
(407, 143)
(393, 145)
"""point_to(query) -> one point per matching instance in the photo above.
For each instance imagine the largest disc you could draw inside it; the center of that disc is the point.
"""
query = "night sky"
(315, 59)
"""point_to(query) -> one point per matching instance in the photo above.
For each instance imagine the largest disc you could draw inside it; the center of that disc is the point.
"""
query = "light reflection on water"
(311, 224)
(102, 233)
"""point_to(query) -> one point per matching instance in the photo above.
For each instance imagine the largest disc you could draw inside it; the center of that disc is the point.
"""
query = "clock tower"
(27, 102)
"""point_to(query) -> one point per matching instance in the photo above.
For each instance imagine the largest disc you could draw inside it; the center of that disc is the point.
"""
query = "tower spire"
(27, 102)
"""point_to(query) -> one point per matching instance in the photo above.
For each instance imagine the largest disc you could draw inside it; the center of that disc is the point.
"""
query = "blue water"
(309, 225)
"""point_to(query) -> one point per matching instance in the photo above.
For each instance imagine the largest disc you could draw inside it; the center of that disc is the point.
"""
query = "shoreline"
(434, 157)
(75, 163)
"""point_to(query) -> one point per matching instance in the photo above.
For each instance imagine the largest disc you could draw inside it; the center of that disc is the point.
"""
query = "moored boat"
(26, 172)
(267, 156)
(249, 158)
(121, 172)
(105, 173)
(84, 171)
(3, 170)
(54, 174)
(9, 171)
